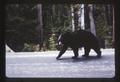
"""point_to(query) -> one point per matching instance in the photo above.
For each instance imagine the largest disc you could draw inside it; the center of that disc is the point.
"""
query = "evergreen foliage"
(21, 24)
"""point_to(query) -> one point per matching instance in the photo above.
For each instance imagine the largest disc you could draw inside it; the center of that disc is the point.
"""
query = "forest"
(36, 27)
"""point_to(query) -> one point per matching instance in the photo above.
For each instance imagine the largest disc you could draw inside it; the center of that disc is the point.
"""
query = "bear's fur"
(76, 40)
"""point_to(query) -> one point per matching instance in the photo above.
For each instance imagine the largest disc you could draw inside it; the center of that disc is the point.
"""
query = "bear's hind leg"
(87, 50)
(97, 50)
(75, 50)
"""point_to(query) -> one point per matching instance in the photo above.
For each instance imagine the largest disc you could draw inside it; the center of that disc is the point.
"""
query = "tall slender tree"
(40, 25)
(82, 17)
(86, 17)
(92, 23)
(113, 35)
(72, 16)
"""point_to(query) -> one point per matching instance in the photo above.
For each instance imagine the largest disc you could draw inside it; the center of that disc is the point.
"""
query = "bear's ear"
(63, 32)
(69, 30)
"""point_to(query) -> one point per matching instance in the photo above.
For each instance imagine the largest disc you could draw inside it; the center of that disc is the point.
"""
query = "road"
(45, 65)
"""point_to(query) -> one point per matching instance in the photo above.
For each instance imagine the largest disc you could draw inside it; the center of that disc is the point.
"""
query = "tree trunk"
(40, 25)
(108, 9)
(86, 17)
(72, 18)
(76, 16)
(82, 17)
(113, 35)
(92, 23)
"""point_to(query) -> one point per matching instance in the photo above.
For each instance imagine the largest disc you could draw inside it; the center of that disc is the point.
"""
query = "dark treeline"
(35, 27)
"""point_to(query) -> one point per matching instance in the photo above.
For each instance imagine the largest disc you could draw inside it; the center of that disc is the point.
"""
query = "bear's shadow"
(79, 59)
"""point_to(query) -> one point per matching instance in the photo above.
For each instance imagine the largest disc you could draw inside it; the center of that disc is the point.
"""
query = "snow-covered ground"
(44, 64)
(8, 49)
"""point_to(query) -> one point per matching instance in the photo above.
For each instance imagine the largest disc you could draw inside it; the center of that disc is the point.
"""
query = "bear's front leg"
(62, 51)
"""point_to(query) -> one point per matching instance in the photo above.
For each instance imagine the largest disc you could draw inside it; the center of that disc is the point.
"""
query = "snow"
(44, 64)
(8, 49)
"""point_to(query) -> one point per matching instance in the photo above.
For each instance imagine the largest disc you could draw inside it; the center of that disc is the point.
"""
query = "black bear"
(76, 40)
